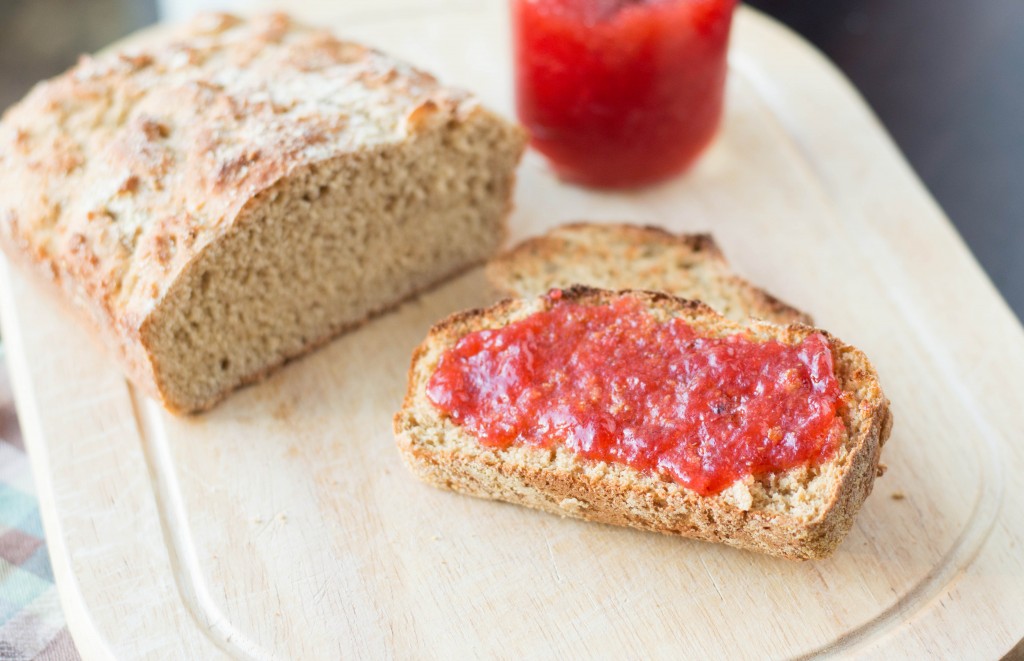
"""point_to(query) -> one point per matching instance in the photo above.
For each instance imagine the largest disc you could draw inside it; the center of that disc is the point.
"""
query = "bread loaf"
(803, 512)
(222, 198)
(621, 256)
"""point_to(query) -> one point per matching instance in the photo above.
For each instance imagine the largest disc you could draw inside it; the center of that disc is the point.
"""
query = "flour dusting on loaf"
(224, 196)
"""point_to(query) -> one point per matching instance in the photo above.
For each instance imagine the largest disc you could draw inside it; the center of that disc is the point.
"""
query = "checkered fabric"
(31, 621)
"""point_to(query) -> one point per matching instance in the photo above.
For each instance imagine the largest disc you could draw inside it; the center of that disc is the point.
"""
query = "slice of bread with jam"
(801, 512)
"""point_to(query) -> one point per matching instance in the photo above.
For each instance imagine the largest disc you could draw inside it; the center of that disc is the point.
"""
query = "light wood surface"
(283, 524)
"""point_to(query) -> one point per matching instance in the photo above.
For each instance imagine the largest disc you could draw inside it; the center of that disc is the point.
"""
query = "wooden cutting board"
(283, 524)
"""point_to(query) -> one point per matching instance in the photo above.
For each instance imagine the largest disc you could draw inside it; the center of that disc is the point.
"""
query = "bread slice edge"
(592, 247)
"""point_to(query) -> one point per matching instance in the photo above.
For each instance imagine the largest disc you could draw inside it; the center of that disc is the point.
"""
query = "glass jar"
(620, 93)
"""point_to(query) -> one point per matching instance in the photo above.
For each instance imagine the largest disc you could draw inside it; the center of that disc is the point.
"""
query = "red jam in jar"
(620, 93)
(612, 383)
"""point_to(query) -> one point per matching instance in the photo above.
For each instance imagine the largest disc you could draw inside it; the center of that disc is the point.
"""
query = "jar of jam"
(620, 93)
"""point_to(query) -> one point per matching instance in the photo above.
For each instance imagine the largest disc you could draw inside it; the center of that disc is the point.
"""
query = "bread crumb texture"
(801, 513)
(221, 197)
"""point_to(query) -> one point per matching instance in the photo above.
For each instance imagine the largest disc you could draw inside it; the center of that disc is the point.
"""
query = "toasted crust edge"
(659, 507)
(768, 306)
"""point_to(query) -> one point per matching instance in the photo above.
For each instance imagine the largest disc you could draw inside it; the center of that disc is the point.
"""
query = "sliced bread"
(622, 256)
(224, 196)
(800, 513)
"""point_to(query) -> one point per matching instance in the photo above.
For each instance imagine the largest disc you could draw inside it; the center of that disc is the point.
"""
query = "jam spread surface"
(612, 383)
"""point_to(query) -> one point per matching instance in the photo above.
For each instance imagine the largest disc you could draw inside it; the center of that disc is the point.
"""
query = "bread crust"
(628, 256)
(559, 482)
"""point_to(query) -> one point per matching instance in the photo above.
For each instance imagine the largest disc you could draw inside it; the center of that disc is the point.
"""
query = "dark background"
(946, 77)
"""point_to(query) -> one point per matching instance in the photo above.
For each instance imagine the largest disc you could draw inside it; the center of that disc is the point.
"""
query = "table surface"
(31, 622)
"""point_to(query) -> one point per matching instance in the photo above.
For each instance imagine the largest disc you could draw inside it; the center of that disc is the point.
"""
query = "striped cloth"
(31, 621)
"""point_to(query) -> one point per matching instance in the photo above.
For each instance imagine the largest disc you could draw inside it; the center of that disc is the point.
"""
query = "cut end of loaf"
(802, 513)
(328, 246)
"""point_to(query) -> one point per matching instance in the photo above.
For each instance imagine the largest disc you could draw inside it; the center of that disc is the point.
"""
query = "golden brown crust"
(120, 171)
(817, 506)
(625, 256)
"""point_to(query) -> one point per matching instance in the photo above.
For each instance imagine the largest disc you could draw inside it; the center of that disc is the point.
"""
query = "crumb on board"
(898, 495)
